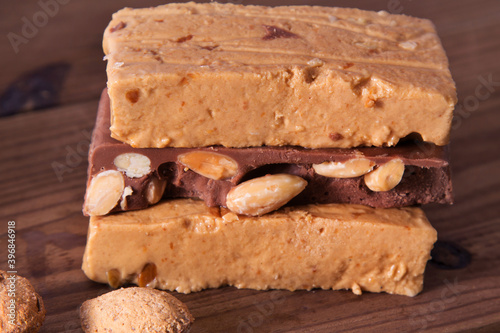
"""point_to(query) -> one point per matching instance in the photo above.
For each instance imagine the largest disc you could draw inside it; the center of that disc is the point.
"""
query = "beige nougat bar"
(185, 246)
(193, 75)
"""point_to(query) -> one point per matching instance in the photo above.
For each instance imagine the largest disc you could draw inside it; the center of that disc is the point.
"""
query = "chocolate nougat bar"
(210, 173)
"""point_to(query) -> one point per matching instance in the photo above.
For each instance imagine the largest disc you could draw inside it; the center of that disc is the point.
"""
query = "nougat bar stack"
(267, 148)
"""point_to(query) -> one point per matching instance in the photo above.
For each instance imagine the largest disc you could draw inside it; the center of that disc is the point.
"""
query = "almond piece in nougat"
(194, 75)
(184, 245)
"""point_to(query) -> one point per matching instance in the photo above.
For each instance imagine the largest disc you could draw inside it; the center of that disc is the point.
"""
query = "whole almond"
(209, 164)
(155, 190)
(135, 309)
(134, 165)
(385, 177)
(103, 193)
(21, 307)
(349, 169)
(264, 194)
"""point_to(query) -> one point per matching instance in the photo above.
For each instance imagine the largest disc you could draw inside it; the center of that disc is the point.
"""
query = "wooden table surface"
(56, 67)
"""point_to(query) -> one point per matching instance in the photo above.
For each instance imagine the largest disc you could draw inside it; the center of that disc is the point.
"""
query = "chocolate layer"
(426, 178)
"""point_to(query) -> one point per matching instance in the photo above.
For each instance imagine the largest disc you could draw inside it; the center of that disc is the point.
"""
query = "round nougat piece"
(135, 309)
(21, 308)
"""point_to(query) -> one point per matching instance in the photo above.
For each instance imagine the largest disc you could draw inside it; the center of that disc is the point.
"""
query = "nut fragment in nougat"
(194, 75)
(334, 246)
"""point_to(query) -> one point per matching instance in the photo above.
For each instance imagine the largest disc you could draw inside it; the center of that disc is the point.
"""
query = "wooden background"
(43, 170)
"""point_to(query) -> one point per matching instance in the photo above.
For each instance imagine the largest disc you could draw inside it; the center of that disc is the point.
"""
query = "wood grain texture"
(43, 171)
